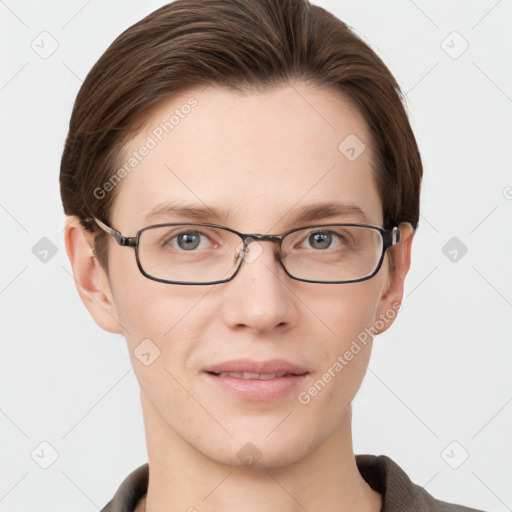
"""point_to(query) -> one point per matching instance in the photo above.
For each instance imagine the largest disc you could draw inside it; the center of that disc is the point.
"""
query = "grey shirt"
(383, 475)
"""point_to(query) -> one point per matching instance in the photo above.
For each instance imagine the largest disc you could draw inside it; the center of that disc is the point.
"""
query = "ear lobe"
(91, 280)
(392, 297)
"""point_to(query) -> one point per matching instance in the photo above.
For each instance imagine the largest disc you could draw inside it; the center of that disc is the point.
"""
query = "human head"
(178, 54)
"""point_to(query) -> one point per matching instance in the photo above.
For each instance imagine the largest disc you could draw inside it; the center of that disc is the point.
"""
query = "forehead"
(256, 157)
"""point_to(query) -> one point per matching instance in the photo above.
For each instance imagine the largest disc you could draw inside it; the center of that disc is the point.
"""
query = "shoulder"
(399, 493)
(131, 490)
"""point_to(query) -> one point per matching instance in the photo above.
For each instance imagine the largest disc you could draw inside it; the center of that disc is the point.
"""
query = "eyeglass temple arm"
(391, 237)
(120, 239)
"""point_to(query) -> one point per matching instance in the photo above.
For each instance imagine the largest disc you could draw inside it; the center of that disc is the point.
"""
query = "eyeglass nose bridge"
(247, 239)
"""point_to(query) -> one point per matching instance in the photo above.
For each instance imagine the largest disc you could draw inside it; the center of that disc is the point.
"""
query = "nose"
(259, 297)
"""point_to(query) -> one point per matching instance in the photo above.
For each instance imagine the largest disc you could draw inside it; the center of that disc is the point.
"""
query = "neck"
(181, 478)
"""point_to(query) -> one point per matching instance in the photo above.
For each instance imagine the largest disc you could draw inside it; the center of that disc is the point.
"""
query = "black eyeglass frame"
(390, 237)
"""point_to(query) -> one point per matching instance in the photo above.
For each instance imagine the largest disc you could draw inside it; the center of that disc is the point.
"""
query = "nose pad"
(253, 250)
(249, 251)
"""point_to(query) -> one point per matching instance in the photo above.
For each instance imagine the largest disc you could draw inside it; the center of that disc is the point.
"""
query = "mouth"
(256, 380)
(252, 376)
(251, 369)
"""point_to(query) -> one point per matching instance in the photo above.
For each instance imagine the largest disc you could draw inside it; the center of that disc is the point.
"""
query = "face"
(255, 161)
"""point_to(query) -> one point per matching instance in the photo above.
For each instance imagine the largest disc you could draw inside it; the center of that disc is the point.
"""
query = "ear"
(391, 299)
(91, 280)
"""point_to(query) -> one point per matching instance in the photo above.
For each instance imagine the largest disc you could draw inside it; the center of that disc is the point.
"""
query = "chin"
(258, 449)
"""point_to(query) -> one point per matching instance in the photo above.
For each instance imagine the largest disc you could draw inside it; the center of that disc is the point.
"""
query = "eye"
(323, 239)
(187, 240)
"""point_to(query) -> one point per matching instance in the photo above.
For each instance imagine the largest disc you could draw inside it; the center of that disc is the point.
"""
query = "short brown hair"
(236, 44)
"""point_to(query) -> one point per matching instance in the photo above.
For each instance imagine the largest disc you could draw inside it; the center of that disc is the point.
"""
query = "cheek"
(163, 329)
(347, 320)
(158, 320)
(145, 307)
(346, 310)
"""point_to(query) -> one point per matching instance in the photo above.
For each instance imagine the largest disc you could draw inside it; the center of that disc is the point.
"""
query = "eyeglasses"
(197, 253)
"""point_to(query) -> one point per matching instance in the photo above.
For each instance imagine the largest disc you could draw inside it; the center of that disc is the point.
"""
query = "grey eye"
(188, 241)
(320, 239)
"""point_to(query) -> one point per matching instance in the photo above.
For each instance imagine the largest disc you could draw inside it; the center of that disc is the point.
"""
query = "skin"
(263, 156)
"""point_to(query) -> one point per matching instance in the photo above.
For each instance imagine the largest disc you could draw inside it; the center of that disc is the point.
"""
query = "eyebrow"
(306, 214)
(199, 213)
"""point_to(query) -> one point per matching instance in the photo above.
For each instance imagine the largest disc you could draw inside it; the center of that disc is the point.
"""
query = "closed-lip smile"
(257, 380)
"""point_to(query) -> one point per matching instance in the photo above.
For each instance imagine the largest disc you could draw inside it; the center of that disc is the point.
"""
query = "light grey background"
(439, 385)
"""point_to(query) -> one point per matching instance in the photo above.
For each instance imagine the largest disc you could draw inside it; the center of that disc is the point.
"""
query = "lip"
(257, 389)
(252, 366)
